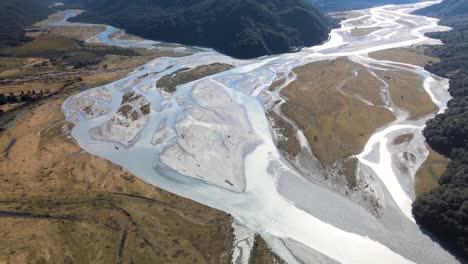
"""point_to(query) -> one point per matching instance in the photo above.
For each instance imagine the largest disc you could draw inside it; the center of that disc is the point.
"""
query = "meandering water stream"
(303, 222)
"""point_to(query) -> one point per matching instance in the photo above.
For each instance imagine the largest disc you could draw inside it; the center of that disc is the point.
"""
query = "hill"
(239, 28)
(15, 15)
(444, 211)
(446, 9)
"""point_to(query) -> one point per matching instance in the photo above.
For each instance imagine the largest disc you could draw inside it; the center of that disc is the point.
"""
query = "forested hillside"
(446, 9)
(15, 15)
(340, 5)
(240, 28)
(444, 211)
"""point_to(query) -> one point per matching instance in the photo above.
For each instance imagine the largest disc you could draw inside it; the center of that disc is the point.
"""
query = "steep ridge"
(444, 211)
(239, 28)
(15, 15)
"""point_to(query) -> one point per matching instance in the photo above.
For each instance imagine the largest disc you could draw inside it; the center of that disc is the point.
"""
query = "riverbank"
(277, 199)
(442, 210)
(338, 104)
(46, 173)
(426, 178)
(60, 204)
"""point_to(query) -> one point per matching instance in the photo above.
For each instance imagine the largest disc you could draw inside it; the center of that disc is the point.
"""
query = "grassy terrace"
(170, 82)
(327, 101)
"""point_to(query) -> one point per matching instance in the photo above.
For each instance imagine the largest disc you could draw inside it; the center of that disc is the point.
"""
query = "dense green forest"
(340, 5)
(239, 28)
(444, 211)
(15, 15)
(448, 10)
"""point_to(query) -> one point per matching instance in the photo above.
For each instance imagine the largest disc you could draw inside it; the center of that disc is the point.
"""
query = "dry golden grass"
(426, 178)
(7, 63)
(11, 66)
(359, 32)
(54, 18)
(44, 44)
(59, 76)
(79, 33)
(403, 139)
(121, 34)
(17, 88)
(407, 92)
(359, 21)
(339, 125)
(95, 80)
(345, 15)
(287, 141)
(413, 55)
(418, 103)
(52, 86)
(336, 126)
(276, 83)
(8, 107)
(121, 62)
(261, 253)
(170, 82)
(75, 32)
(353, 86)
(62, 205)
(349, 171)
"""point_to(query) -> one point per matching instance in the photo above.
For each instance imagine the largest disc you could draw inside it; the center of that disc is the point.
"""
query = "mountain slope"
(444, 211)
(15, 15)
(240, 28)
(446, 9)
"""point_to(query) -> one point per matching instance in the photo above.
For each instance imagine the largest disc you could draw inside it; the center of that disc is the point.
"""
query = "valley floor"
(346, 117)
(59, 204)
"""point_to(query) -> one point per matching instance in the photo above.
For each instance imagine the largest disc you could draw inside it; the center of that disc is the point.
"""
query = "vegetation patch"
(261, 253)
(360, 32)
(443, 211)
(405, 138)
(414, 55)
(44, 44)
(349, 171)
(170, 82)
(59, 49)
(427, 177)
(336, 125)
(287, 139)
(407, 92)
(276, 83)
